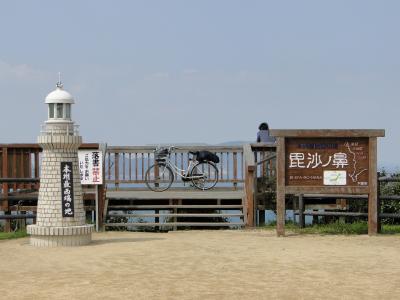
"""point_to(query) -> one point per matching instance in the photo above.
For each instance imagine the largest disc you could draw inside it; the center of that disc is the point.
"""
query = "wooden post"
(280, 190)
(175, 211)
(14, 167)
(23, 222)
(102, 198)
(378, 185)
(271, 169)
(315, 218)
(5, 205)
(235, 170)
(157, 220)
(249, 169)
(30, 164)
(302, 222)
(249, 200)
(22, 173)
(116, 169)
(261, 217)
(103, 219)
(373, 192)
(244, 208)
(37, 153)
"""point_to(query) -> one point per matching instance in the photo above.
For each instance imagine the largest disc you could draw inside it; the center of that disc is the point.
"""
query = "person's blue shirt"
(264, 137)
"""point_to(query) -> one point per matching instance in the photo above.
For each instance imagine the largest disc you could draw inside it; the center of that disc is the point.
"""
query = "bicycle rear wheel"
(204, 175)
(159, 177)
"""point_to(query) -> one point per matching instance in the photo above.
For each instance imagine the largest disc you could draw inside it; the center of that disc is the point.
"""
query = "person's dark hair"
(263, 126)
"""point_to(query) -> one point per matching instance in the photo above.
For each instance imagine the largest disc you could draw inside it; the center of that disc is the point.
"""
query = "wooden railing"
(19, 161)
(259, 161)
(265, 159)
(125, 167)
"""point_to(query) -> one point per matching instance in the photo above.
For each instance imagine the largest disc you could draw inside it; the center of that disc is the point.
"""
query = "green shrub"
(13, 235)
(359, 227)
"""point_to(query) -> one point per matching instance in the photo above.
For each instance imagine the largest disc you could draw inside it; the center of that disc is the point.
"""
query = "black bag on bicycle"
(207, 156)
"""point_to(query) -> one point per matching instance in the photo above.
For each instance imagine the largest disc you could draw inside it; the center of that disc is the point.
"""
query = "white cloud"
(190, 71)
(21, 72)
(161, 75)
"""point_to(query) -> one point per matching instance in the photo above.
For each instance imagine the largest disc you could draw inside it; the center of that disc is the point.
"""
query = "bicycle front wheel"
(204, 175)
(159, 177)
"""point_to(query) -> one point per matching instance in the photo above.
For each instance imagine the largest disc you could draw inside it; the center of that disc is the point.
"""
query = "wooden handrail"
(126, 165)
(271, 146)
(19, 180)
(268, 158)
(389, 179)
(127, 149)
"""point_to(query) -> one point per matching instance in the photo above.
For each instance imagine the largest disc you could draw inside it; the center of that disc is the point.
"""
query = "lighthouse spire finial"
(59, 84)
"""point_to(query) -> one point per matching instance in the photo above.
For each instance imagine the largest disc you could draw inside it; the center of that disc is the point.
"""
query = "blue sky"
(202, 71)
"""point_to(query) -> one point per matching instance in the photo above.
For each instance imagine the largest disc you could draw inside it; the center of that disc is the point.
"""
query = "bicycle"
(202, 173)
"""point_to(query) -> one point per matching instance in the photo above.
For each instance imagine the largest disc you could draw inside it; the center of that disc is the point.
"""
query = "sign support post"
(97, 207)
(280, 189)
(373, 188)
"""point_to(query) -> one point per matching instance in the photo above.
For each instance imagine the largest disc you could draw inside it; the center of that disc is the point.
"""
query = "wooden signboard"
(327, 162)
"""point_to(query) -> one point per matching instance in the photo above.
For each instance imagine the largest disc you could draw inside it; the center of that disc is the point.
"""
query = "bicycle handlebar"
(171, 148)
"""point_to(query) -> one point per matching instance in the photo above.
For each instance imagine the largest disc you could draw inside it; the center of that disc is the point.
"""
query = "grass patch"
(13, 235)
(336, 228)
(390, 229)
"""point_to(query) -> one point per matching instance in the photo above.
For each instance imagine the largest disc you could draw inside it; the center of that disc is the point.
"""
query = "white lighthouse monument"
(60, 219)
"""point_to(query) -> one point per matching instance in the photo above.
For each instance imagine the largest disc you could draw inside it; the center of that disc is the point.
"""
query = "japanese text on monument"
(67, 191)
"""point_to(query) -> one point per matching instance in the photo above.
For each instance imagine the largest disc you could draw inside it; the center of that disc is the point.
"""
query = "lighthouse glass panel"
(67, 111)
(59, 110)
(51, 110)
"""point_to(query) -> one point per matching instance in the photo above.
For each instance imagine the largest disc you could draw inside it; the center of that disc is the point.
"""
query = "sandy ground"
(204, 265)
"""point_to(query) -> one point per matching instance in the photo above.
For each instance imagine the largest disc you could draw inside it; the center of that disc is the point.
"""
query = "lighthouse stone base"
(52, 228)
(60, 236)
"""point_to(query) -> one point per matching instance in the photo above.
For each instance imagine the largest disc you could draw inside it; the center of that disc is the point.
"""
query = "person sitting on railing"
(263, 134)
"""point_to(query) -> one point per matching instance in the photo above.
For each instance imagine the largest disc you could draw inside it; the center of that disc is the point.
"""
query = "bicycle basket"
(161, 154)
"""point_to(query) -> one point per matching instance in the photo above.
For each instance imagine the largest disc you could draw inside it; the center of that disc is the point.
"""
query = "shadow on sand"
(123, 240)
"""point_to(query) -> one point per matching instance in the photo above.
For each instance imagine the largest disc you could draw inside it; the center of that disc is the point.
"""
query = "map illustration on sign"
(327, 161)
(356, 171)
(334, 177)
